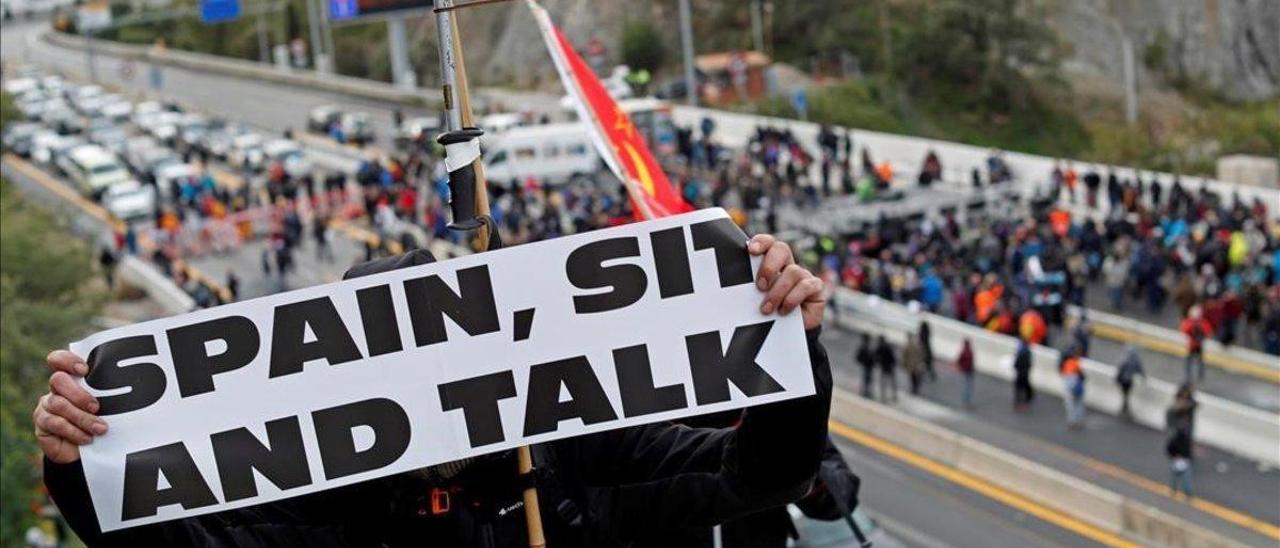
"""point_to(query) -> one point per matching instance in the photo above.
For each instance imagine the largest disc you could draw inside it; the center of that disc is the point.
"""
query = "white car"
(146, 109)
(119, 110)
(193, 128)
(289, 154)
(42, 145)
(18, 86)
(411, 128)
(246, 147)
(165, 126)
(170, 177)
(94, 169)
(130, 200)
(80, 96)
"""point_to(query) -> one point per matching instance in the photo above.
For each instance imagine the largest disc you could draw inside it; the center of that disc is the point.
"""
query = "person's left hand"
(787, 285)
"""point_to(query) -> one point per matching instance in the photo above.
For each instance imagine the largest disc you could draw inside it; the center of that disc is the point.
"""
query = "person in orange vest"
(1072, 387)
(1197, 329)
(1031, 327)
(1070, 177)
(1002, 321)
(1060, 222)
(984, 302)
(885, 172)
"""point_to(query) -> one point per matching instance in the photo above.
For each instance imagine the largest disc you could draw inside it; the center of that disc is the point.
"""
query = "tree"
(45, 302)
(642, 46)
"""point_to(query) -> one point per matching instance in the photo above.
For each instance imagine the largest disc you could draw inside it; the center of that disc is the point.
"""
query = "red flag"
(620, 144)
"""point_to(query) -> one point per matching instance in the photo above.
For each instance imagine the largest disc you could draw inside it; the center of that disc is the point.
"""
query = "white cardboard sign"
(340, 383)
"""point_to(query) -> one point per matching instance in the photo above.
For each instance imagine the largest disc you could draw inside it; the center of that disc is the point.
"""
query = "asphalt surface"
(1131, 455)
(920, 509)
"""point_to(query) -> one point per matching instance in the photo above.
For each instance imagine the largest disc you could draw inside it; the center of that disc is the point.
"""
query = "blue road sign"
(343, 9)
(219, 11)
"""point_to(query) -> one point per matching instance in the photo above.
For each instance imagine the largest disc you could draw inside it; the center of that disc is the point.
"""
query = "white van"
(553, 153)
(94, 169)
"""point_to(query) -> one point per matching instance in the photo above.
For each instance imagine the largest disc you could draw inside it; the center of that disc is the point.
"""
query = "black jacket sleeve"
(657, 479)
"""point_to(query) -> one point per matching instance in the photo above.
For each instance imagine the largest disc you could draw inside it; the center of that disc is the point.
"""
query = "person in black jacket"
(888, 370)
(660, 484)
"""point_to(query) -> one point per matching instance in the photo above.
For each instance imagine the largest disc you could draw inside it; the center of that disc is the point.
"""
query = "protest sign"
(340, 383)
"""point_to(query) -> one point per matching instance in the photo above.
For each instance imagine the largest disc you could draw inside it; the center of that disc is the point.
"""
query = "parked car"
(130, 200)
(93, 169)
(17, 137)
(320, 118)
(426, 127)
(170, 178)
(289, 155)
(110, 137)
(155, 161)
(50, 150)
(247, 150)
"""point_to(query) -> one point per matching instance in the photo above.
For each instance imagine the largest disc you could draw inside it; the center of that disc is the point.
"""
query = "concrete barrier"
(1174, 342)
(155, 284)
(1060, 492)
(1227, 425)
(347, 85)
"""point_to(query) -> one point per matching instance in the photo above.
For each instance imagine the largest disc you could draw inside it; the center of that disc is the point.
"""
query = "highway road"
(916, 506)
(920, 506)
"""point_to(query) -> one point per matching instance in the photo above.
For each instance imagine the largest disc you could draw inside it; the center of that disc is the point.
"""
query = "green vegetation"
(47, 301)
(642, 46)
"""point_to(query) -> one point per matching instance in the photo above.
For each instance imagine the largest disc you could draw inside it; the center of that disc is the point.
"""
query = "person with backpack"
(1197, 329)
(1072, 373)
(1129, 369)
(1180, 425)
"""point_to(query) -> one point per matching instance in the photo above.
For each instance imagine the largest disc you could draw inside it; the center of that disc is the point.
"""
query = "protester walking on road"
(1115, 274)
(913, 362)
(865, 357)
(926, 343)
(1129, 369)
(1082, 334)
(964, 364)
(888, 375)
(1197, 329)
(1180, 424)
(1022, 391)
(1073, 387)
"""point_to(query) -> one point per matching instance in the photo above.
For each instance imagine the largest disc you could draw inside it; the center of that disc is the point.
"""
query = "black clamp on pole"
(462, 148)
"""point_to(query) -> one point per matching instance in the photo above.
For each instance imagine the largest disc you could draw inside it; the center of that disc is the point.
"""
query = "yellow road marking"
(1223, 361)
(981, 486)
(1217, 510)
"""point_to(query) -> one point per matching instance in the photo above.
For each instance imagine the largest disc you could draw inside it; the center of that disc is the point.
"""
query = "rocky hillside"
(1231, 47)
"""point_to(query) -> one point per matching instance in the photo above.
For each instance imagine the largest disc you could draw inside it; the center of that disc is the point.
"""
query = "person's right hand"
(64, 418)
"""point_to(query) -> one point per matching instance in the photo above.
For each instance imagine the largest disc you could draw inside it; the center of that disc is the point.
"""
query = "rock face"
(504, 46)
(1229, 46)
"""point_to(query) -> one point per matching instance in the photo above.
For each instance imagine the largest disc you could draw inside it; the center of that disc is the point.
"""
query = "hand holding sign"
(787, 284)
(64, 417)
